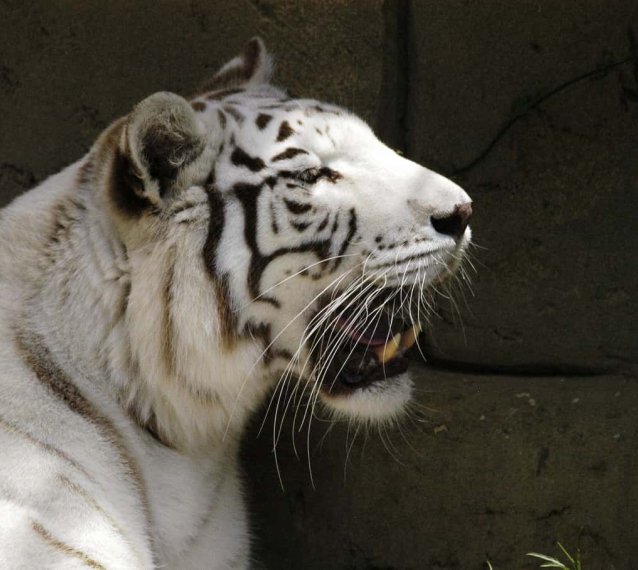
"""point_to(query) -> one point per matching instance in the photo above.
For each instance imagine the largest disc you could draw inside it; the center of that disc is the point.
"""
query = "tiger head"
(273, 238)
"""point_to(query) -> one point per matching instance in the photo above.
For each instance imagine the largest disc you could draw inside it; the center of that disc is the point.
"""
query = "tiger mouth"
(367, 353)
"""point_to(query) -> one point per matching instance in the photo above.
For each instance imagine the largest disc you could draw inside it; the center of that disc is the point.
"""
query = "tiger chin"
(154, 294)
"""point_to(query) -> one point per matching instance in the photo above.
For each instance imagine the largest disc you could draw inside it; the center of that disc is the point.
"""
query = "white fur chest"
(193, 498)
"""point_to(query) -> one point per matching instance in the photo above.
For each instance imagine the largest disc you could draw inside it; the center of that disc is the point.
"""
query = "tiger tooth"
(409, 337)
(389, 350)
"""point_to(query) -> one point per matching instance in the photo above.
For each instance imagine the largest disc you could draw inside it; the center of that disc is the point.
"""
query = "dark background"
(527, 427)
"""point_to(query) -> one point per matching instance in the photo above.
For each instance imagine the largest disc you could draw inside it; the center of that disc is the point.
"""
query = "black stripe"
(288, 153)
(285, 131)
(248, 195)
(297, 207)
(300, 226)
(273, 219)
(262, 120)
(168, 325)
(215, 228)
(240, 157)
(216, 221)
(323, 223)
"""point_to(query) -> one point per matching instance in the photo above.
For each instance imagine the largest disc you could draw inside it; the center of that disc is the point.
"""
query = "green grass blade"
(552, 562)
(569, 556)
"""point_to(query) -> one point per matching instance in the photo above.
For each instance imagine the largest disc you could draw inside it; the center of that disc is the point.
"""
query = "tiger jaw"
(372, 351)
(358, 348)
(366, 360)
(354, 346)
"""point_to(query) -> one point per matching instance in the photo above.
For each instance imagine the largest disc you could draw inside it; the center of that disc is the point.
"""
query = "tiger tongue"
(373, 333)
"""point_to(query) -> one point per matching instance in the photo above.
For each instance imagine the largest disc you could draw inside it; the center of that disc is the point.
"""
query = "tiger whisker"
(287, 373)
(265, 351)
(319, 377)
(314, 398)
(289, 277)
(337, 342)
(290, 323)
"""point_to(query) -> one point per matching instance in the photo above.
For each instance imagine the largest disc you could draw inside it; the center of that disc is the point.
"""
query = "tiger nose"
(453, 225)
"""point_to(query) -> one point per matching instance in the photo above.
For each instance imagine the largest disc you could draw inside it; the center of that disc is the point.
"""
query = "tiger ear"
(163, 137)
(253, 66)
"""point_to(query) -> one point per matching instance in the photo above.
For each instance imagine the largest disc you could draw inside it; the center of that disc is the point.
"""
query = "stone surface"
(489, 468)
(556, 194)
(68, 69)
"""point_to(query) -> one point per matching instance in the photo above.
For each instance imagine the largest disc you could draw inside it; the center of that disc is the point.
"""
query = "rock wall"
(531, 436)
(533, 107)
(69, 68)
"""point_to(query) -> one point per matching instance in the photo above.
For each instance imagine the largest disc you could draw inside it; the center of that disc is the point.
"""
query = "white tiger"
(152, 294)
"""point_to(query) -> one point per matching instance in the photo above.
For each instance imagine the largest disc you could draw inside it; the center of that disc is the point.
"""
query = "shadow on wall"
(533, 108)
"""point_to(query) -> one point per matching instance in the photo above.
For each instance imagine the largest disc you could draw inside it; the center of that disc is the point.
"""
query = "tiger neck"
(145, 331)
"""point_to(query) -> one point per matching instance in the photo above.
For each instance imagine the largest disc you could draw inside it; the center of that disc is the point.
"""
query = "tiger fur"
(153, 293)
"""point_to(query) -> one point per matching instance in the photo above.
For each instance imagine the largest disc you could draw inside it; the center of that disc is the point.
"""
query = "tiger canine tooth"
(389, 350)
(409, 337)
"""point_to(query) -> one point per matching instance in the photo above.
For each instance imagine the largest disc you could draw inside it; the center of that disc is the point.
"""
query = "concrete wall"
(529, 106)
(531, 434)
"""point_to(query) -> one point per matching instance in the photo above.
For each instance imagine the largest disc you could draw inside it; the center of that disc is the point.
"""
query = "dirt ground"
(486, 468)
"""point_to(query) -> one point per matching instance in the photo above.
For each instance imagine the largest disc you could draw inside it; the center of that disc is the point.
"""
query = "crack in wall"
(395, 83)
(599, 72)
